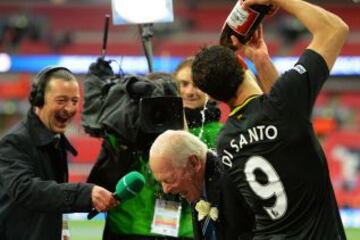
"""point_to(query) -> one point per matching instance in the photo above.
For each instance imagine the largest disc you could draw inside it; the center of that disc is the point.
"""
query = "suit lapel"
(196, 224)
(213, 172)
(212, 176)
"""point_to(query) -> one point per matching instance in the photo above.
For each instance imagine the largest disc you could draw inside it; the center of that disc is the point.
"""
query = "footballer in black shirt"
(268, 144)
(276, 162)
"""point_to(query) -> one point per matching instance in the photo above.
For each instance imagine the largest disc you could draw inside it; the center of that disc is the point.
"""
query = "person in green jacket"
(136, 218)
(202, 115)
(145, 216)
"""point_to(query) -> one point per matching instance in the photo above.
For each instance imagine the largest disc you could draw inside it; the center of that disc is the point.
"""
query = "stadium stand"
(192, 29)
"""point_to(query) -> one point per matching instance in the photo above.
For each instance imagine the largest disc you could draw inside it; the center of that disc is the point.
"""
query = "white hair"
(176, 146)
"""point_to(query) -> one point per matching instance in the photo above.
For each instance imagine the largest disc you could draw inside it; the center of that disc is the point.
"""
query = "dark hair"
(41, 80)
(217, 72)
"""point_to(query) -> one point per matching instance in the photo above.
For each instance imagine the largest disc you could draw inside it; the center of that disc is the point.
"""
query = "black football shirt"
(274, 159)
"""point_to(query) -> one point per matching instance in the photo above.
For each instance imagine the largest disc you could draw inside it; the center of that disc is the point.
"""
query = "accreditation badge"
(166, 220)
(65, 233)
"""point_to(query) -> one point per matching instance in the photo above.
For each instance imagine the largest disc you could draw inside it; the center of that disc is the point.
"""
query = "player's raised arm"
(328, 30)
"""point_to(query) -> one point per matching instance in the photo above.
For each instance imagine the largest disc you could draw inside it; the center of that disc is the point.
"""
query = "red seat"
(88, 149)
(76, 177)
(350, 99)
(34, 47)
(127, 48)
(348, 12)
(349, 48)
(177, 48)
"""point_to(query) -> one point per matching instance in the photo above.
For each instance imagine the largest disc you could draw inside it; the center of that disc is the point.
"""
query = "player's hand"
(102, 199)
(256, 49)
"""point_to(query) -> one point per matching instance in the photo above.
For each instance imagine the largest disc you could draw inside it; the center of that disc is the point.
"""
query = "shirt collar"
(241, 106)
(43, 136)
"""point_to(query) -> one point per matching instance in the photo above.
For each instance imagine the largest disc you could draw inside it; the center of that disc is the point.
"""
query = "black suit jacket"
(33, 192)
(235, 218)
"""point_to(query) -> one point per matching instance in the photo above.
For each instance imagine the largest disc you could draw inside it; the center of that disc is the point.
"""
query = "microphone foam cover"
(129, 185)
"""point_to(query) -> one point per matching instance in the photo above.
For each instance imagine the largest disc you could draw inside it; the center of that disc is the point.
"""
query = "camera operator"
(112, 111)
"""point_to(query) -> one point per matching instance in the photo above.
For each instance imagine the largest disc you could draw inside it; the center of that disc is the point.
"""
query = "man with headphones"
(34, 192)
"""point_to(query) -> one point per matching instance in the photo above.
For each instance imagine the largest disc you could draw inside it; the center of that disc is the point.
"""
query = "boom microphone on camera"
(105, 36)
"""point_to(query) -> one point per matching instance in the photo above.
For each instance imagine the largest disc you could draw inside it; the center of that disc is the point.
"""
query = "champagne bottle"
(242, 23)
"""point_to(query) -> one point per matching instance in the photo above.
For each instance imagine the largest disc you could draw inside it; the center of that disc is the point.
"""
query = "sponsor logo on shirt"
(300, 69)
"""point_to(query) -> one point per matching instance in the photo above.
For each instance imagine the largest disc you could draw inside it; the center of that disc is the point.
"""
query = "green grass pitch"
(92, 230)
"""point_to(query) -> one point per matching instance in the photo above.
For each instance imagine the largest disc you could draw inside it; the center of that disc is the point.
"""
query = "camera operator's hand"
(101, 69)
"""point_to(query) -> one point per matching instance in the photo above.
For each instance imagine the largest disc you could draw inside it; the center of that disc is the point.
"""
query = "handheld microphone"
(126, 188)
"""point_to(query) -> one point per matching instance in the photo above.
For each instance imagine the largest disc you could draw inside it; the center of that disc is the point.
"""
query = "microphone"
(127, 187)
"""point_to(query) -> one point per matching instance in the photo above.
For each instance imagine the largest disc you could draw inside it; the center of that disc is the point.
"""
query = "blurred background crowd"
(75, 27)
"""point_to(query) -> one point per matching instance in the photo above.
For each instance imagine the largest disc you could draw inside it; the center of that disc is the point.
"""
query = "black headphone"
(36, 97)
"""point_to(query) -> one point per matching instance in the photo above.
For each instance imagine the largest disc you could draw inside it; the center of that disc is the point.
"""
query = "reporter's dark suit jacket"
(33, 192)
(235, 220)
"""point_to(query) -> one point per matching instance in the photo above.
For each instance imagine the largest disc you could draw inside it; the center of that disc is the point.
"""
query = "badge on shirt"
(166, 220)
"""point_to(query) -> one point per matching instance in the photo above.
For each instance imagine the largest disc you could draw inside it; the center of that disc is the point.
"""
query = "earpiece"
(36, 97)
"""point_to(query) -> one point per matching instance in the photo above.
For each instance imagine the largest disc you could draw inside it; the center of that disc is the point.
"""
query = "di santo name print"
(250, 136)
